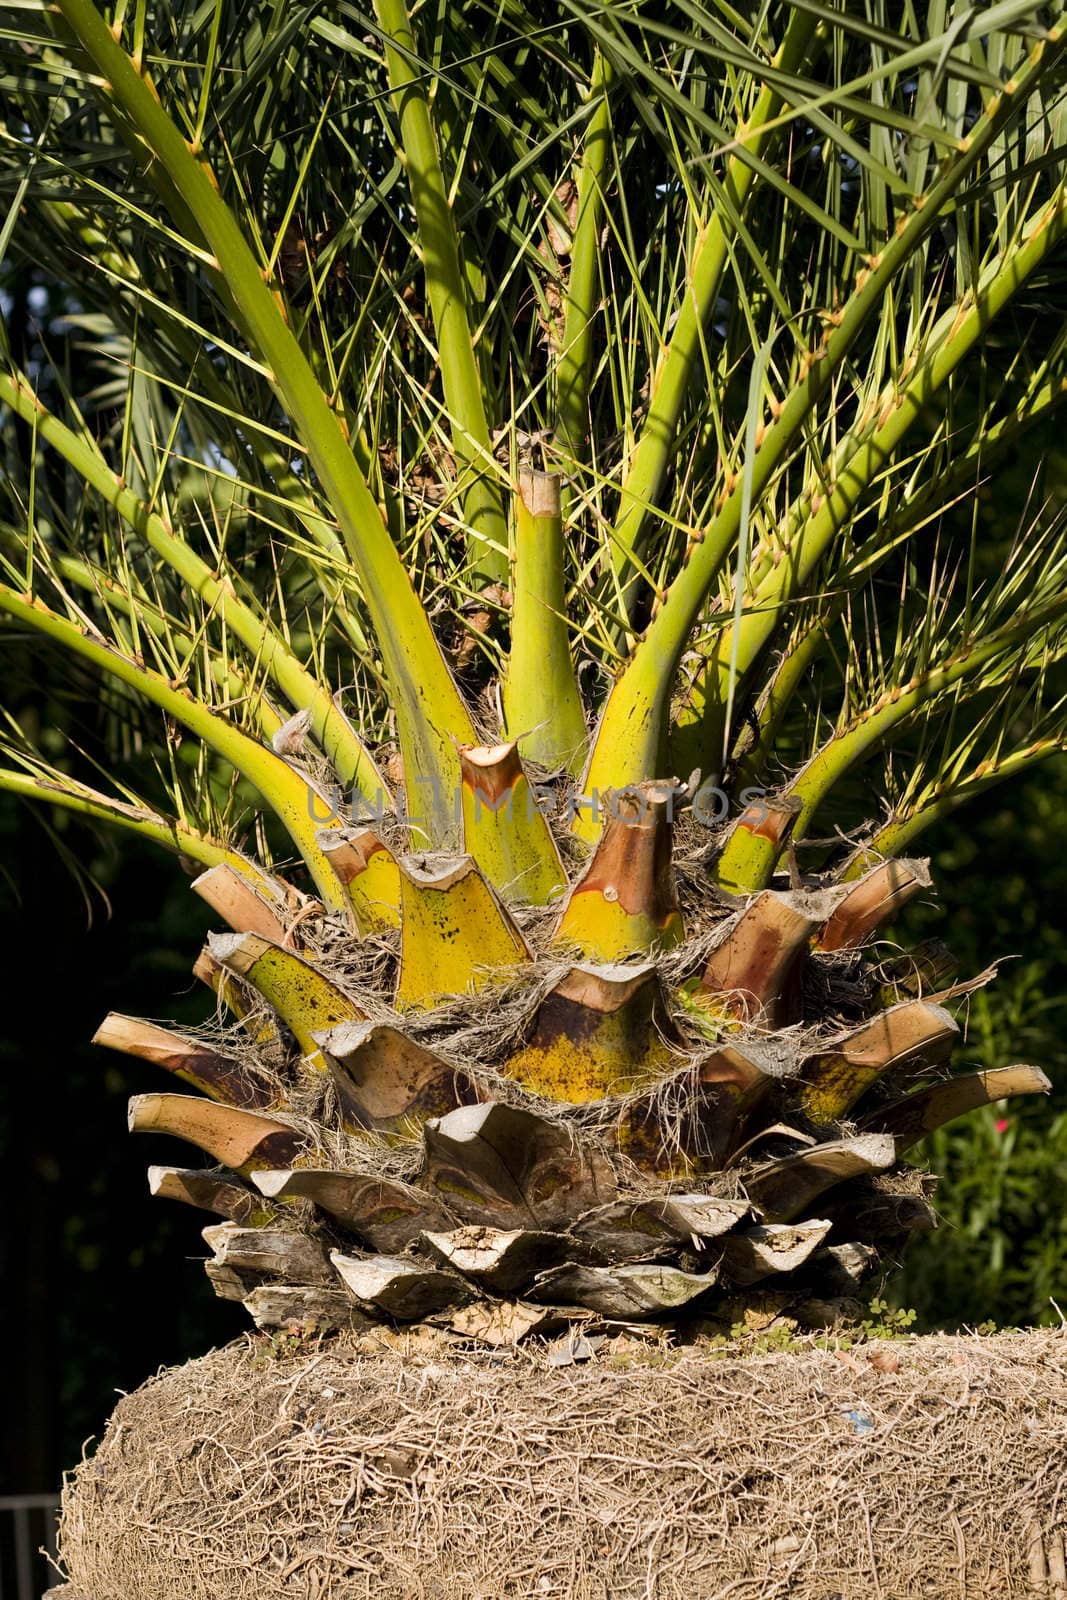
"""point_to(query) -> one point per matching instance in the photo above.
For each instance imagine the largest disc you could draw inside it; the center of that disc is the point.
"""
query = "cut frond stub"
(625, 903)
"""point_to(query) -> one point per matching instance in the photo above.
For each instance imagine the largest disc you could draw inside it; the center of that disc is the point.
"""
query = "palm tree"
(523, 485)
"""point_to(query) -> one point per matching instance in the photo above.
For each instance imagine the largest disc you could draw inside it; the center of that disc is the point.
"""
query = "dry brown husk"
(401, 1466)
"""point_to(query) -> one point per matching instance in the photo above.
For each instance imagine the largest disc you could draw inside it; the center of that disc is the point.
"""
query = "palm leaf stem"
(339, 740)
(583, 280)
(430, 712)
(290, 796)
(446, 292)
(630, 741)
(748, 861)
(168, 832)
(908, 822)
(542, 704)
(958, 331)
(236, 685)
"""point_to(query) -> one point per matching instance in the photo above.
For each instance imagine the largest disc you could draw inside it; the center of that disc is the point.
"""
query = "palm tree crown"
(477, 453)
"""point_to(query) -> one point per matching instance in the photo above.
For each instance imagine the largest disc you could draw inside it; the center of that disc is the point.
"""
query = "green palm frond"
(759, 300)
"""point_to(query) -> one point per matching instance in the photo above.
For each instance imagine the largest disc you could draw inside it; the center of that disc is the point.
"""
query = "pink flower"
(1002, 1124)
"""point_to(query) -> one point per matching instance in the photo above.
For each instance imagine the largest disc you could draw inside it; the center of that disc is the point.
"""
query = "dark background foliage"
(101, 1284)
